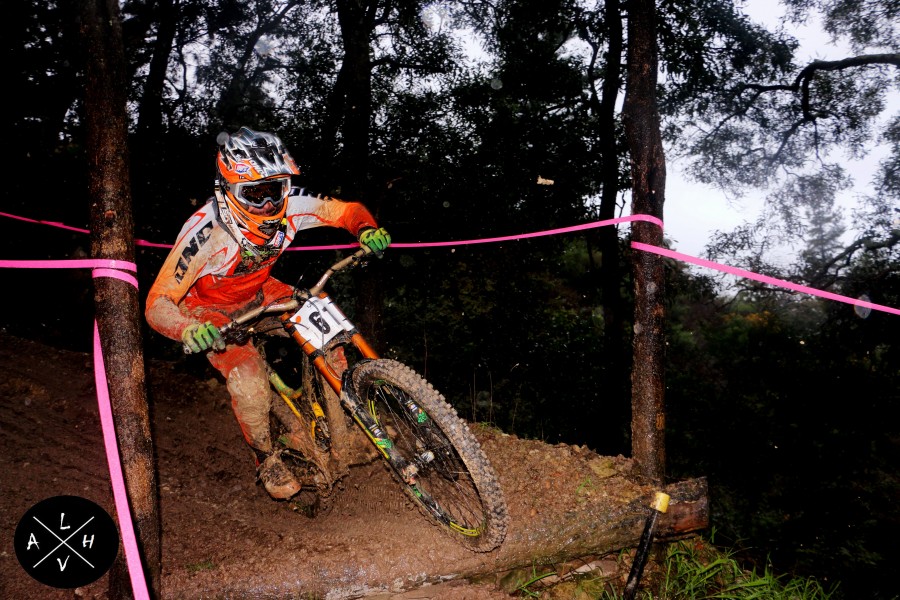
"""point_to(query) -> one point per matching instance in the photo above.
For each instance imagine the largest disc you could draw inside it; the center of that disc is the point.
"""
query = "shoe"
(276, 478)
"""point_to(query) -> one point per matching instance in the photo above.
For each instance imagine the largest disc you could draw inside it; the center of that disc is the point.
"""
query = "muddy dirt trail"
(224, 538)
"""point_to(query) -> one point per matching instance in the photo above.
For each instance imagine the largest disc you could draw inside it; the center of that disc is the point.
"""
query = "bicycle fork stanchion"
(659, 507)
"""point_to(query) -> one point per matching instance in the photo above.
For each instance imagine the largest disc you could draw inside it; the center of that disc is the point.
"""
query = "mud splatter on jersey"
(208, 273)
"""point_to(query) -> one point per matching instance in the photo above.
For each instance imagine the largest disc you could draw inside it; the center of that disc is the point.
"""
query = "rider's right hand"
(201, 337)
(375, 239)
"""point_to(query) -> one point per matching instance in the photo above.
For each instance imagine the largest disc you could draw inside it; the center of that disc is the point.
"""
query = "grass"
(695, 569)
(525, 590)
(692, 570)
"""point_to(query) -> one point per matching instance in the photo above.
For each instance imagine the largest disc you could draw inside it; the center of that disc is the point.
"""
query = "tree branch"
(804, 77)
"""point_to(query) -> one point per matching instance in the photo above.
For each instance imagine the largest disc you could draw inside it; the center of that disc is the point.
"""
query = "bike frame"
(313, 320)
(318, 326)
(317, 322)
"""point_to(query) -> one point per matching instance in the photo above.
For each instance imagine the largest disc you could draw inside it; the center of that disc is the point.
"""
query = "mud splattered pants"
(248, 383)
(244, 369)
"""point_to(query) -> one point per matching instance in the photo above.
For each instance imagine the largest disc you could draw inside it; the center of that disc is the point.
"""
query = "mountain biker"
(220, 265)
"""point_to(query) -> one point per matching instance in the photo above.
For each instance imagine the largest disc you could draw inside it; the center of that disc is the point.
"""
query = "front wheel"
(445, 470)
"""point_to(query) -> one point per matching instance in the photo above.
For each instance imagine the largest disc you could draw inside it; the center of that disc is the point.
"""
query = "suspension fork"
(407, 470)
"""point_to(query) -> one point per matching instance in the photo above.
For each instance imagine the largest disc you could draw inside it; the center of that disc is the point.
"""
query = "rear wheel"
(446, 473)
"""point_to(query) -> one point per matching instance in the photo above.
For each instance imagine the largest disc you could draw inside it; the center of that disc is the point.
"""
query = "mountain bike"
(341, 405)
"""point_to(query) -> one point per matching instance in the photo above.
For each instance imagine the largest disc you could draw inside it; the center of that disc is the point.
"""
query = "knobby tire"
(456, 486)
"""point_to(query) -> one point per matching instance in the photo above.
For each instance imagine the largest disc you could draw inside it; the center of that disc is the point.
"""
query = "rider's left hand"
(200, 337)
(376, 239)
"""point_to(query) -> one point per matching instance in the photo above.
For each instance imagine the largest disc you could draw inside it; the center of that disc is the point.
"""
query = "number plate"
(319, 320)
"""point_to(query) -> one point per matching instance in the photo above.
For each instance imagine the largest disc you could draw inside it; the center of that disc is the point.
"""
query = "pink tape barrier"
(110, 268)
(648, 218)
(129, 540)
(763, 278)
(107, 268)
(636, 245)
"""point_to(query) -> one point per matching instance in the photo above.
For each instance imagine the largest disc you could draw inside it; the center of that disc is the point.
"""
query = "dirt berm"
(224, 538)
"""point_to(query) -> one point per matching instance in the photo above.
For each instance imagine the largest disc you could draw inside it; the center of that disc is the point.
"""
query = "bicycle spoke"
(443, 476)
(434, 455)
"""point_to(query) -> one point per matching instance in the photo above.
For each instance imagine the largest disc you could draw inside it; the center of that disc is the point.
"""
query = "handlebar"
(352, 260)
(252, 314)
(288, 305)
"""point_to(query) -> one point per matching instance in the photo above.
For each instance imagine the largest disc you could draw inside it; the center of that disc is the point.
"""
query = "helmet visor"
(257, 193)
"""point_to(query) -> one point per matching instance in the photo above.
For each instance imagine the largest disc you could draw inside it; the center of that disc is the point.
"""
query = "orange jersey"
(207, 274)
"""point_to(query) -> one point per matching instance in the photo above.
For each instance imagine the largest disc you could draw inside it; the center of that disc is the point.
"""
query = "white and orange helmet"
(255, 168)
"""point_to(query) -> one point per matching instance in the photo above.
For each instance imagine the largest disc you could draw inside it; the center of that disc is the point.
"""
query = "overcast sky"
(694, 211)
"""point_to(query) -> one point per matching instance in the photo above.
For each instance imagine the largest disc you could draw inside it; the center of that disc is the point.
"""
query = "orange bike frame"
(315, 324)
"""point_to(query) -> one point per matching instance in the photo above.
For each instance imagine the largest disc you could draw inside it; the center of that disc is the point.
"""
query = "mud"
(222, 537)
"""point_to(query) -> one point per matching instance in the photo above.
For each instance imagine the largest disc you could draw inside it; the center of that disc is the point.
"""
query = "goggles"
(257, 193)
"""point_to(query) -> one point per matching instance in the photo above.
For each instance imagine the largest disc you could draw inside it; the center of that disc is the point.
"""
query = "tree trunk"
(148, 149)
(615, 357)
(357, 21)
(149, 124)
(648, 174)
(117, 306)
(150, 111)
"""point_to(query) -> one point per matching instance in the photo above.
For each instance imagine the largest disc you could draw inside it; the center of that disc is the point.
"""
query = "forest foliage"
(465, 120)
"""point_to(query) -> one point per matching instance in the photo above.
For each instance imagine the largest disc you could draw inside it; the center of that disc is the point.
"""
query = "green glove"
(200, 337)
(376, 239)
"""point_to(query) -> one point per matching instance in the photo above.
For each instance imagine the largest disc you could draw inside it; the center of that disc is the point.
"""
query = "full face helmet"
(254, 170)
